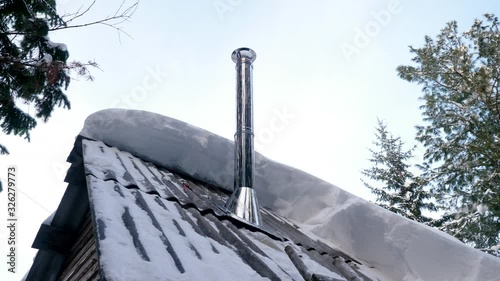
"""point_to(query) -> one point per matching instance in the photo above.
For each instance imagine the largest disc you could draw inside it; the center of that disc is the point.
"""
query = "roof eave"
(68, 218)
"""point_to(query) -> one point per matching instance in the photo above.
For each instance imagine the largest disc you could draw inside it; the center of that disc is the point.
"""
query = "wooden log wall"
(82, 264)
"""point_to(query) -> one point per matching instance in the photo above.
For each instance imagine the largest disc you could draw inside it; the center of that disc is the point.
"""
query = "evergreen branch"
(35, 70)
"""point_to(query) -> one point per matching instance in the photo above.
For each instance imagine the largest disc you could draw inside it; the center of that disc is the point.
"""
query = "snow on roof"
(151, 227)
(400, 248)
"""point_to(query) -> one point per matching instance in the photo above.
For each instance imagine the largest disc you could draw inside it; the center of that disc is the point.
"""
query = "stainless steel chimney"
(243, 202)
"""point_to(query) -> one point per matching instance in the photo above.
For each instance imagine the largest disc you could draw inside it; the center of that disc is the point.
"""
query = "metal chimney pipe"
(243, 202)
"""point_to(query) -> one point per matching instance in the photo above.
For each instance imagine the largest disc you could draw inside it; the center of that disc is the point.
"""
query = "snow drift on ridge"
(400, 248)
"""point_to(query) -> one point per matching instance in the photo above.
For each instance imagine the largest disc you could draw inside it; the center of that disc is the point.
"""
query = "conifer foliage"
(32, 68)
(401, 192)
(35, 70)
(460, 77)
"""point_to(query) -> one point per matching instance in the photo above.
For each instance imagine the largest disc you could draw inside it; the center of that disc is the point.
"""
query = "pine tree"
(33, 69)
(402, 192)
(31, 66)
(460, 76)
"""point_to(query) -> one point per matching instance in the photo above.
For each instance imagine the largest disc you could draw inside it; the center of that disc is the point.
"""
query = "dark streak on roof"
(142, 203)
(129, 223)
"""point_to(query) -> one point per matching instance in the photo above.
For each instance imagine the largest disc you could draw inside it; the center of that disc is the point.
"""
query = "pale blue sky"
(333, 100)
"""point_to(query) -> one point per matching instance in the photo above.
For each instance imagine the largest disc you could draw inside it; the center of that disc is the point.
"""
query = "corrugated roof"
(155, 225)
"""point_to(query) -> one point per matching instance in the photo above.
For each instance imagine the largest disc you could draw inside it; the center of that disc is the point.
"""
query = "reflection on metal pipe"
(243, 202)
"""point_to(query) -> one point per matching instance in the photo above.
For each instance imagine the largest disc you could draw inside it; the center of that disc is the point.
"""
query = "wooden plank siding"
(82, 264)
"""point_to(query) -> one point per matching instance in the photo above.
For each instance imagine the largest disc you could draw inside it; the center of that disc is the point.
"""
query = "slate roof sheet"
(152, 224)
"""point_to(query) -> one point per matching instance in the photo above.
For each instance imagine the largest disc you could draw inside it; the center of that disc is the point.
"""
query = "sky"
(325, 71)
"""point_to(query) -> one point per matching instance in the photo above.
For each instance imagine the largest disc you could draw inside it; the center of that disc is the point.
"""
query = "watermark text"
(364, 36)
(12, 208)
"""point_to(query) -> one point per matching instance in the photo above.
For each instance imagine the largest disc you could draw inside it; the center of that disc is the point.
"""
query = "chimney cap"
(242, 54)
